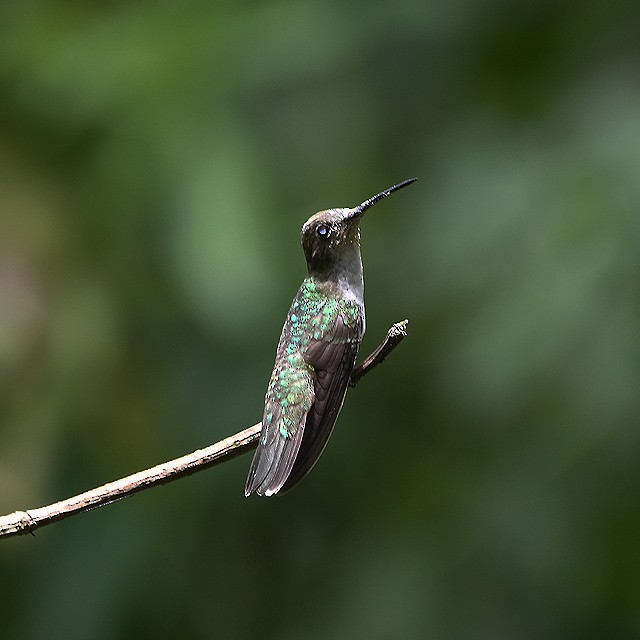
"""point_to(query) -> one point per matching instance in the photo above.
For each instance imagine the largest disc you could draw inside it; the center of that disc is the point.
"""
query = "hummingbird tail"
(272, 464)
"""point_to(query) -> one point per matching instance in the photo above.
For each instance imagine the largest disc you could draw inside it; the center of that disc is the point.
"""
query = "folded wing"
(332, 357)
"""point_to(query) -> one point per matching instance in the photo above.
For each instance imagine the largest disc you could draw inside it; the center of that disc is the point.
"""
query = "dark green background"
(157, 160)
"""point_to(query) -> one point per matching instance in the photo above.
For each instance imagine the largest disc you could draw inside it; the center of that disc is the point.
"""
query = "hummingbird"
(317, 351)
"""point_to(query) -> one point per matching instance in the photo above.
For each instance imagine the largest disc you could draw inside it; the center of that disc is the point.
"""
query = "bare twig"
(23, 522)
(395, 335)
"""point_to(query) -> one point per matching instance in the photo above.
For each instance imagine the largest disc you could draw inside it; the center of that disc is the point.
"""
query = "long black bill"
(361, 208)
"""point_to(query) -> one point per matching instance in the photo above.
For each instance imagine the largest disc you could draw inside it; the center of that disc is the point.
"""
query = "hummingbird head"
(331, 238)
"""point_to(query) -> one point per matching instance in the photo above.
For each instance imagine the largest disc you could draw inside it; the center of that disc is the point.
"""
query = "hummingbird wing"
(288, 400)
(332, 357)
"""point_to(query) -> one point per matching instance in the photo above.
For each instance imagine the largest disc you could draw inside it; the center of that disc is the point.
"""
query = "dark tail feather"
(271, 465)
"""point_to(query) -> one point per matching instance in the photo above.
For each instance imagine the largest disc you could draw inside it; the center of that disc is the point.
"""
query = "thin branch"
(23, 522)
(395, 336)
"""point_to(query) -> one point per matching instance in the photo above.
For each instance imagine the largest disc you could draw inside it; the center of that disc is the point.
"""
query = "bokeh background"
(157, 160)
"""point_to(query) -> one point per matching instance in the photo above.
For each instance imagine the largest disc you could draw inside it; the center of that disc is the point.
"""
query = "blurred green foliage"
(157, 160)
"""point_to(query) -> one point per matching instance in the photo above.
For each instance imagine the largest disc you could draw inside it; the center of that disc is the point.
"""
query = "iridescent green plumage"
(316, 353)
(318, 324)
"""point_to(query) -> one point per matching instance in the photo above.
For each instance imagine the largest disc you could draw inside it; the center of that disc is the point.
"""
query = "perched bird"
(316, 352)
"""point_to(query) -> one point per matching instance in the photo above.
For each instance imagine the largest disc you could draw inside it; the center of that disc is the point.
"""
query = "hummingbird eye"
(322, 230)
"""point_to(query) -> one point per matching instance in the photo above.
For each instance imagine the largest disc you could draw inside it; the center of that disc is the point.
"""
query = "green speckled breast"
(311, 317)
